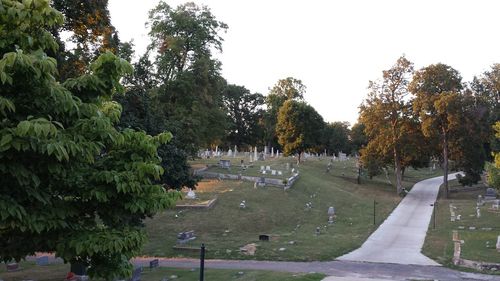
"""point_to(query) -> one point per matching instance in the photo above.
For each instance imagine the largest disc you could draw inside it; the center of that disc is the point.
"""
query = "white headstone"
(272, 151)
(255, 153)
(277, 153)
(217, 150)
(268, 168)
(262, 168)
(235, 150)
(229, 152)
(498, 243)
(191, 194)
(280, 173)
(273, 172)
(478, 212)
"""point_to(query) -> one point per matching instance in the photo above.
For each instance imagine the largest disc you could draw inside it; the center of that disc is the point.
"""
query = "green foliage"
(336, 137)
(69, 181)
(244, 113)
(357, 137)
(299, 127)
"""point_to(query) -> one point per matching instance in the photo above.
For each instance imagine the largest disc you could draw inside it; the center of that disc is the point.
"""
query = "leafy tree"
(182, 36)
(385, 114)
(493, 169)
(89, 25)
(285, 89)
(336, 137)
(437, 88)
(190, 87)
(244, 112)
(70, 182)
(358, 137)
(299, 128)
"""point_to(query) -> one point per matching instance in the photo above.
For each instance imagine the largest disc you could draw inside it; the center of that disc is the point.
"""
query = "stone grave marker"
(498, 243)
(268, 168)
(478, 212)
(496, 205)
(480, 201)
(43, 260)
(243, 204)
(262, 168)
(280, 173)
(490, 194)
(273, 172)
(184, 237)
(191, 194)
(154, 263)
(13, 266)
(225, 164)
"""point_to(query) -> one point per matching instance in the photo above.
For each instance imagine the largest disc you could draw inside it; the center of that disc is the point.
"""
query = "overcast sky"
(336, 47)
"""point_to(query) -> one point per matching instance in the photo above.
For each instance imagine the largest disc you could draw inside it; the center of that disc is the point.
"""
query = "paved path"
(401, 237)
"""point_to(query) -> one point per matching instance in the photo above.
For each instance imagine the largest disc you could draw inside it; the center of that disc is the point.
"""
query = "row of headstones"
(266, 169)
(234, 153)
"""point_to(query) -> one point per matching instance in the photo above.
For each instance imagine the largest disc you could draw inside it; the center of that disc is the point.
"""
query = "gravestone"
(191, 194)
(496, 205)
(498, 243)
(43, 260)
(480, 201)
(262, 181)
(262, 168)
(225, 164)
(273, 172)
(154, 263)
(331, 214)
(230, 153)
(184, 237)
(13, 266)
(263, 237)
(136, 274)
(268, 168)
(280, 173)
(490, 194)
(243, 204)
(261, 156)
(478, 212)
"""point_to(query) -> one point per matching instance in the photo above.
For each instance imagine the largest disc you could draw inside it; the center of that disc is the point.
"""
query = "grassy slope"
(438, 244)
(57, 272)
(274, 211)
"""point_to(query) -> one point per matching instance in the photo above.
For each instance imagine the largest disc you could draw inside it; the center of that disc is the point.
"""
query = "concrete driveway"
(401, 237)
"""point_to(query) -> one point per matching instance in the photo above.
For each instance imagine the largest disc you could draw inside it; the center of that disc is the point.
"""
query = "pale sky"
(336, 47)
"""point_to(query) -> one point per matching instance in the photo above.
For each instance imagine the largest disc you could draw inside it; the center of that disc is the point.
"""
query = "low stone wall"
(267, 181)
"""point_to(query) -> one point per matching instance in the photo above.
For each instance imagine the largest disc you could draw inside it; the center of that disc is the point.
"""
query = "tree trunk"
(445, 163)
(397, 168)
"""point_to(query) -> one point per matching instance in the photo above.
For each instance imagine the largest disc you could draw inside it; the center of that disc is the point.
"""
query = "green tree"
(336, 137)
(70, 183)
(358, 137)
(299, 128)
(190, 87)
(285, 89)
(385, 112)
(493, 169)
(89, 25)
(244, 110)
(436, 88)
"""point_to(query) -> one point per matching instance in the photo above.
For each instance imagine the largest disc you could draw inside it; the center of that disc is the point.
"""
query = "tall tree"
(70, 183)
(88, 24)
(436, 88)
(385, 112)
(299, 128)
(190, 85)
(285, 89)
(244, 111)
(336, 137)
(358, 137)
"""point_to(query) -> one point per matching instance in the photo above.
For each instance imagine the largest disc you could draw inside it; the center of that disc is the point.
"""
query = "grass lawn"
(57, 272)
(438, 244)
(282, 214)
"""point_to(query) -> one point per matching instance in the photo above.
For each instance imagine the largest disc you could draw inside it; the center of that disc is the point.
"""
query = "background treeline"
(409, 118)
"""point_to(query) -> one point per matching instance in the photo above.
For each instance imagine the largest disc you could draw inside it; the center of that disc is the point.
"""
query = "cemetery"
(473, 215)
(320, 208)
